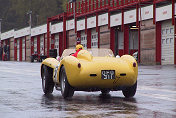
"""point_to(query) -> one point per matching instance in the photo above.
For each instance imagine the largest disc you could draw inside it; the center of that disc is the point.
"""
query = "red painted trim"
(25, 47)
(137, 15)
(173, 12)
(38, 44)
(20, 49)
(126, 39)
(64, 32)
(96, 22)
(158, 42)
(44, 42)
(122, 26)
(175, 42)
(32, 45)
(89, 5)
(98, 37)
(15, 50)
(60, 43)
(100, 3)
(109, 21)
(121, 52)
(48, 37)
(85, 24)
(89, 38)
(3, 50)
(139, 43)
(52, 41)
(154, 13)
(112, 38)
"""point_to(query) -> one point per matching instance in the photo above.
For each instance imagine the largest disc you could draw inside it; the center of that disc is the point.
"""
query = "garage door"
(42, 44)
(18, 50)
(23, 49)
(133, 41)
(56, 43)
(35, 44)
(167, 43)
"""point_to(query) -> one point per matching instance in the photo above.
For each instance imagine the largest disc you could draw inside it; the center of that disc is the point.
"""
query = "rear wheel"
(130, 91)
(47, 81)
(66, 89)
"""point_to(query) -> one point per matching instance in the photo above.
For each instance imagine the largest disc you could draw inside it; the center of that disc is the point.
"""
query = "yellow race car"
(92, 70)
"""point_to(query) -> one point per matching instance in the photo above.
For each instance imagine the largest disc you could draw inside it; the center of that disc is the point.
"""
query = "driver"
(78, 48)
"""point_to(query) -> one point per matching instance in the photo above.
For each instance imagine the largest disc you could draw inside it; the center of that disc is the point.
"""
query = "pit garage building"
(146, 26)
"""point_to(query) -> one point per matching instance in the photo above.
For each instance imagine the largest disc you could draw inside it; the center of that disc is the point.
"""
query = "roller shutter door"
(167, 43)
(23, 49)
(42, 44)
(56, 43)
(18, 50)
(35, 44)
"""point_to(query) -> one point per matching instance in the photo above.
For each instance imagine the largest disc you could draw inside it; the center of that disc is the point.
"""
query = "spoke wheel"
(47, 81)
(66, 89)
(130, 91)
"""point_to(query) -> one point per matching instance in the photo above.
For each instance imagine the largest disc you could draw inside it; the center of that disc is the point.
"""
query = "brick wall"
(104, 37)
(71, 39)
(148, 42)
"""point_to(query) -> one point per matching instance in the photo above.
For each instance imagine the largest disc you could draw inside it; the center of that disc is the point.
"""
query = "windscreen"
(96, 52)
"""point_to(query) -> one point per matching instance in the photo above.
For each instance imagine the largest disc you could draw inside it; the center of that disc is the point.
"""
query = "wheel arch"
(60, 71)
(48, 68)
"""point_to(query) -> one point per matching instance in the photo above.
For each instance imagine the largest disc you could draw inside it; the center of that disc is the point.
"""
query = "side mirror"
(117, 56)
(58, 58)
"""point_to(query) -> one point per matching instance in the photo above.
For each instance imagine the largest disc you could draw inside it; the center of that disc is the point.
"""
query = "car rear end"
(105, 72)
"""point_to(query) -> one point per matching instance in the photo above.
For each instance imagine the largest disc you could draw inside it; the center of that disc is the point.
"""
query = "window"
(172, 30)
(171, 40)
(163, 31)
(163, 41)
(94, 40)
(167, 31)
(84, 41)
(56, 43)
(167, 40)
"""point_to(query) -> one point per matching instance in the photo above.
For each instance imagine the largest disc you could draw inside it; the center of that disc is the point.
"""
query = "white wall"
(8, 34)
(39, 30)
(22, 32)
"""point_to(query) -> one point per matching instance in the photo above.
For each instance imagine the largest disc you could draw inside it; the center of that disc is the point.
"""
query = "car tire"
(105, 91)
(66, 90)
(47, 81)
(130, 91)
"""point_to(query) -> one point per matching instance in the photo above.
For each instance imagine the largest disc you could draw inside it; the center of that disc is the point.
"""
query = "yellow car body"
(88, 72)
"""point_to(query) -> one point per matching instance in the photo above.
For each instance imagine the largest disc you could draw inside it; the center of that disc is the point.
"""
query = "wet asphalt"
(21, 96)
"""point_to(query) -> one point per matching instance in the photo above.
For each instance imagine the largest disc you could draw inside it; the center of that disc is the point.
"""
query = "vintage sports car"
(92, 70)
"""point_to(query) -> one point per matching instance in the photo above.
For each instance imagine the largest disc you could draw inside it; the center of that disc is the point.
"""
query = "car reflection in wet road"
(21, 96)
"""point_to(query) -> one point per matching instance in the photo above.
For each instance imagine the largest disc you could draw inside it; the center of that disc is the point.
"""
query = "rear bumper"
(85, 80)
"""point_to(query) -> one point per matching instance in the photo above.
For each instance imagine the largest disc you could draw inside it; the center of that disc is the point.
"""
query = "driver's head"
(79, 46)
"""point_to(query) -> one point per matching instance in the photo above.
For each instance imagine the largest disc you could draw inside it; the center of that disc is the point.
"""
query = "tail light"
(79, 65)
(134, 64)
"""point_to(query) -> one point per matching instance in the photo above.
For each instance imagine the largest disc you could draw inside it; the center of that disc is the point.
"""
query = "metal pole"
(74, 8)
(30, 23)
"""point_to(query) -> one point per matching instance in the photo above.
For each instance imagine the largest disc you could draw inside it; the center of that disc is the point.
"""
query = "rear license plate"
(108, 74)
